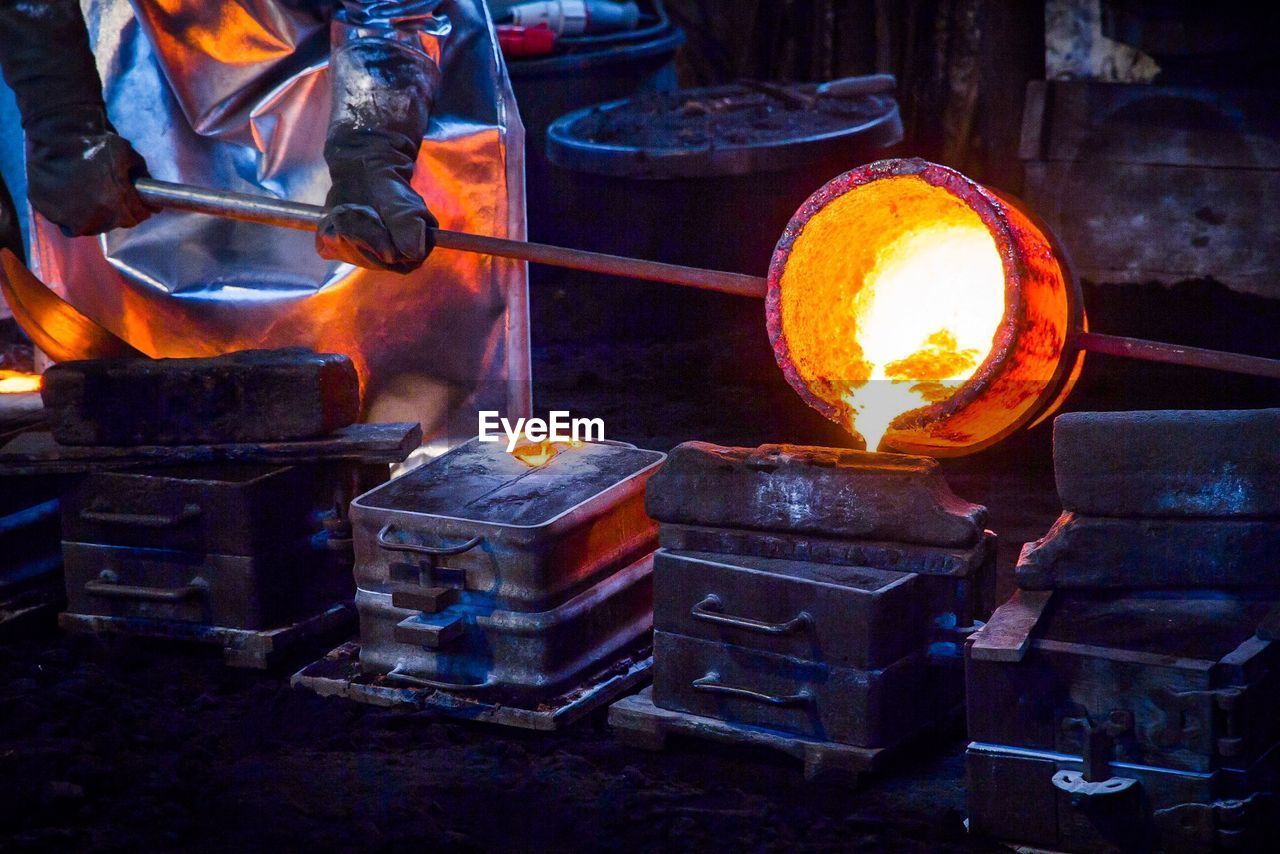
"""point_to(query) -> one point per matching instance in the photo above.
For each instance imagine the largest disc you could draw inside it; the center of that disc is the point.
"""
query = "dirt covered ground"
(110, 745)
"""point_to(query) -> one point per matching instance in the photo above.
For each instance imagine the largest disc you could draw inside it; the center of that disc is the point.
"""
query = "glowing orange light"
(16, 382)
(921, 310)
(885, 328)
(534, 454)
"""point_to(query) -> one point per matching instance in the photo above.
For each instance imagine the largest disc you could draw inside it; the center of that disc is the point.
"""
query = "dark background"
(111, 744)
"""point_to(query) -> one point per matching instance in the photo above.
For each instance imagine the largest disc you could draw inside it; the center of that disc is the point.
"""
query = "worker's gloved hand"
(374, 217)
(79, 170)
(382, 92)
(80, 173)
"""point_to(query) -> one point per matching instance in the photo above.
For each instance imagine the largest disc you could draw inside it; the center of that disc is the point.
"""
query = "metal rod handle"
(708, 610)
(267, 211)
(142, 520)
(418, 548)
(1176, 354)
(112, 590)
(711, 684)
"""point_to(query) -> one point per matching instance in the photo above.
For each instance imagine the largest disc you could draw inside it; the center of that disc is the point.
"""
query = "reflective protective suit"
(236, 94)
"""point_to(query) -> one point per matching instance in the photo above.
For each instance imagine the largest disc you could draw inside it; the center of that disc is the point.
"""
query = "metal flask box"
(478, 571)
(1127, 714)
(232, 545)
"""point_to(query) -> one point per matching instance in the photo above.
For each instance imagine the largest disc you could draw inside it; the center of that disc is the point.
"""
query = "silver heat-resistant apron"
(235, 94)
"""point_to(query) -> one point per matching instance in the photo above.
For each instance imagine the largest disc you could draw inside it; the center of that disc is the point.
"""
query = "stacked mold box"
(207, 497)
(1125, 697)
(499, 589)
(808, 599)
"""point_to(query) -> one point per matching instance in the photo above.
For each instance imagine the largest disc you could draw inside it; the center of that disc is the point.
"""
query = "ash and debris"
(128, 745)
(723, 116)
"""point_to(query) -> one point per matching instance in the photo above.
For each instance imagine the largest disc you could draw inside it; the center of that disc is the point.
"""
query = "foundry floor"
(129, 746)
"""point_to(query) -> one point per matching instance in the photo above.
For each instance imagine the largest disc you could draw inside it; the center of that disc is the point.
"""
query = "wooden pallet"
(338, 674)
(240, 647)
(639, 723)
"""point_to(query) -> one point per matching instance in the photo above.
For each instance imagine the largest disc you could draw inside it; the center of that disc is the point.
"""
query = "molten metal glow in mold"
(921, 310)
(539, 453)
(16, 382)
(887, 325)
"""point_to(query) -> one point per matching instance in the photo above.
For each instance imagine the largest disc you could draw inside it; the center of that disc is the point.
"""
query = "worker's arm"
(385, 70)
(79, 170)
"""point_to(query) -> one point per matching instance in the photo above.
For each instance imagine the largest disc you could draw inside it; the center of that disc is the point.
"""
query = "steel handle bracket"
(107, 587)
(384, 542)
(142, 520)
(711, 684)
(708, 611)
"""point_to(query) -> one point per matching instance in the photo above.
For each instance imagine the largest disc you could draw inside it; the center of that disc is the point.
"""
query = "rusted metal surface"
(848, 616)
(1176, 354)
(1007, 635)
(826, 491)
(1169, 463)
(957, 586)
(1094, 552)
(257, 592)
(899, 557)
(1195, 683)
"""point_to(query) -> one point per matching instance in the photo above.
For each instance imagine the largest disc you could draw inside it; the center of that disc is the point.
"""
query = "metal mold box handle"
(712, 685)
(708, 610)
(390, 545)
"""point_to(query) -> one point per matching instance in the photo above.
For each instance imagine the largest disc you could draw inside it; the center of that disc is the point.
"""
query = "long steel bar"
(268, 211)
(1176, 354)
(251, 208)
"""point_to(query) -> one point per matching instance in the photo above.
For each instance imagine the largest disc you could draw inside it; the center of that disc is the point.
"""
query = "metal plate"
(841, 615)
(866, 708)
(519, 653)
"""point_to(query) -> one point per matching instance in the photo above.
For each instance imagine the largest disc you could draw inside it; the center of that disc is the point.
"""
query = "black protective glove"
(80, 172)
(382, 95)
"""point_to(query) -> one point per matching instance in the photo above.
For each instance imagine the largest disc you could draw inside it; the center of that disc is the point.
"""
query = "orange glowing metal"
(534, 454)
(16, 382)
(895, 298)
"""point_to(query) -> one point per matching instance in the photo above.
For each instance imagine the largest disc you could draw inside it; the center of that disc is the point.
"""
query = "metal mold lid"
(481, 483)
(781, 138)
